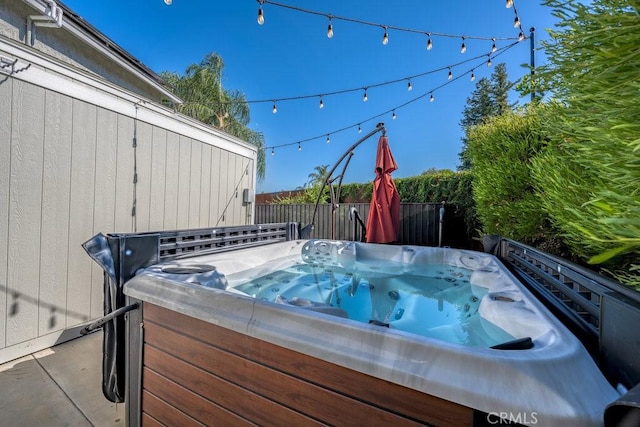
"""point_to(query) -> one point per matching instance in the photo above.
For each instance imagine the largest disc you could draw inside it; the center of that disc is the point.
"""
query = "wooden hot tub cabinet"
(195, 373)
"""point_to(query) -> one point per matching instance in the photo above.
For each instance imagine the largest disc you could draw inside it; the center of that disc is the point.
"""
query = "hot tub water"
(443, 304)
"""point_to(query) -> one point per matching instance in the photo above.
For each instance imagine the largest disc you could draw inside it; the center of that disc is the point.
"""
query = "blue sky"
(290, 55)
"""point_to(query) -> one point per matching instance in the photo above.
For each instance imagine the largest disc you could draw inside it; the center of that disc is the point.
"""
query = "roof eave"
(81, 29)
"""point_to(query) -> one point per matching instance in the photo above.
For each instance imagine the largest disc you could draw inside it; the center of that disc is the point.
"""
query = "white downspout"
(52, 19)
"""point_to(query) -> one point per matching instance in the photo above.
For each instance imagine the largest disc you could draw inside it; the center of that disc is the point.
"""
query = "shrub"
(588, 178)
(500, 151)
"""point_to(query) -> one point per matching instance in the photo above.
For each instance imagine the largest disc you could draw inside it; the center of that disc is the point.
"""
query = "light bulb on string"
(321, 103)
(330, 29)
(450, 76)
(299, 147)
(509, 3)
(520, 36)
(385, 37)
(429, 43)
(359, 128)
(463, 48)
(473, 76)
(431, 98)
(328, 139)
(260, 15)
(274, 109)
(409, 87)
(489, 62)
(393, 116)
(365, 98)
(168, 2)
(273, 152)
(493, 46)
(516, 22)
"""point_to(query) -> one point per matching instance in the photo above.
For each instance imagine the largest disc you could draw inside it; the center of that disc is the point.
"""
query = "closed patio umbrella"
(383, 222)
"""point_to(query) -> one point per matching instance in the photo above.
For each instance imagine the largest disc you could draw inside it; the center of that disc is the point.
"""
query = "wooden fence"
(419, 222)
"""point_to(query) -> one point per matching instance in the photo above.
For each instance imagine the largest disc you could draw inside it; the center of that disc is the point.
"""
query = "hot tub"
(417, 335)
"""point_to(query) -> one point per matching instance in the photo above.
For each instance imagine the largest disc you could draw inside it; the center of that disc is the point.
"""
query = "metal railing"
(602, 313)
(173, 244)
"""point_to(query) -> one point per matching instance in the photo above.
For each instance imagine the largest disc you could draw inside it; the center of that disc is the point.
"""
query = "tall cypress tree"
(489, 99)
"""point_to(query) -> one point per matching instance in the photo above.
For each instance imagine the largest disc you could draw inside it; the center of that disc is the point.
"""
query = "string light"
(489, 62)
(463, 48)
(393, 116)
(473, 76)
(260, 14)
(321, 103)
(273, 151)
(499, 51)
(409, 87)
(509, 3)
(365, 98)
(330, 29)
(275, 109)
(450, 76)
(516, 21)
(328, 139)
(338, 92)
(168, 2)
(359, 124)
(493, 46)
(386, 27)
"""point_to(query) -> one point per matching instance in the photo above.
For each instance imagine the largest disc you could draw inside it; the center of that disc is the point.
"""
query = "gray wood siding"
(56, 190)
(195, 170)
(205, 187)
(225, 173)
(104, 207)
(158, 179)
(214, 202)
(5, 174)
(144, 138)
(82, 195)
(66, 173)
(25, 210)
(171, 182)
(124, 175)
(184, 176)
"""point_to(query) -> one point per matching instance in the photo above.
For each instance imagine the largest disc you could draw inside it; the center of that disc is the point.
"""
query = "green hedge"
(501, 151)
(589, 177)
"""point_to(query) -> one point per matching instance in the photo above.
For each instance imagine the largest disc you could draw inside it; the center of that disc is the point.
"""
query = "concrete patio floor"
(58, 386)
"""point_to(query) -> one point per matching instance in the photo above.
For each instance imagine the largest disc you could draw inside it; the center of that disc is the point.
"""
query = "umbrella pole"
(441, 222)
(305, 232)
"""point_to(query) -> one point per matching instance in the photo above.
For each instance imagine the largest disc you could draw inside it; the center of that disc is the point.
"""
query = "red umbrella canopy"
(383, 222)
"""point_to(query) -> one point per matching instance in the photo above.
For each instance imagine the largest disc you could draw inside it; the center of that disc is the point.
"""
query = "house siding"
(67, 167)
